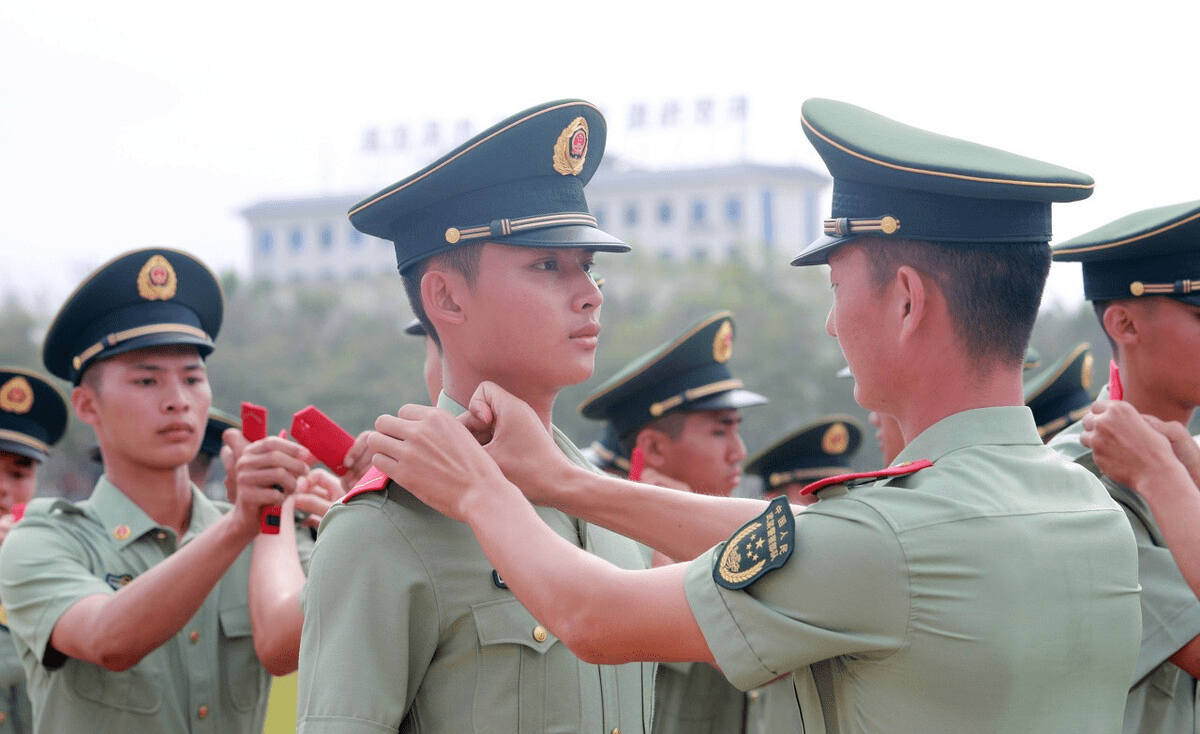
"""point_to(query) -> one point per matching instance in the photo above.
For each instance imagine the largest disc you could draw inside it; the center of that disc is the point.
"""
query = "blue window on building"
(631, 215)
(266, 241)
(326, 237)
(733, 210)
(664, 212)
(356, 238)
(296, 239)
(699, 210)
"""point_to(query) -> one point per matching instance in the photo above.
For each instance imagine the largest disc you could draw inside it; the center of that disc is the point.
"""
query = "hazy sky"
(131, 124)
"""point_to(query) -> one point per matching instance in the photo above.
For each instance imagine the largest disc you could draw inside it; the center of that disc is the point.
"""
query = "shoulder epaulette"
(373, 481)
(853, 480)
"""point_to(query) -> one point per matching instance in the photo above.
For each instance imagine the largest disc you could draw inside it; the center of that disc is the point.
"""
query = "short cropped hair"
(672, 424)
(992, 291)
(463, 260)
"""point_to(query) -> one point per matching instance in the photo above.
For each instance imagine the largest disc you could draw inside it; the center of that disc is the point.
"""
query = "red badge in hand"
(254, 428)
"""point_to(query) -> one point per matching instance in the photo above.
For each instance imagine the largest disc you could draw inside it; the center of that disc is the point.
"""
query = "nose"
(829, 327)
(175, 397)
(590, 295)
(737, 452)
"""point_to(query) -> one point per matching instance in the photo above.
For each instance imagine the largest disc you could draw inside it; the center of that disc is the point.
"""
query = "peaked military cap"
(893, 180)
(1033, 360)
(1060, 394)
(145, 298)
(606, 453)
(1155, 252)
(218, 422)
(814, 451)
(519, 182)
(688, 373)
(33, 414)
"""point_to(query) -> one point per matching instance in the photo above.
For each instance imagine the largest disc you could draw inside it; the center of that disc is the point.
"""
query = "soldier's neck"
(163, 494)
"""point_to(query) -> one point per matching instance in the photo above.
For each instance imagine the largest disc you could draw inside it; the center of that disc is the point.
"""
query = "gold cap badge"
(836, 439)
(570, 151)
(16, 396)
(723, 342)
(157, 280)
(1085, 379)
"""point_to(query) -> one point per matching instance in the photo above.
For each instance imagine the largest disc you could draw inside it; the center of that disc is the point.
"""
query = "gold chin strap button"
(1137, 287)
(453, 235)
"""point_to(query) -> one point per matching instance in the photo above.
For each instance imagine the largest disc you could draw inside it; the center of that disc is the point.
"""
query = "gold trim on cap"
(113, 340)
(942, 174)
(610, 457)
(507, 227)
(23, 438)
(845, 226)
(1178, 288)
(695, 393)
(1134, 238)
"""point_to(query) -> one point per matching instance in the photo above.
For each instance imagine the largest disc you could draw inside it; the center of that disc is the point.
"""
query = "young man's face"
(708, 453)
(1169, 337)
(533, 317)
(18, 480)
(855, 320)
(148, 407)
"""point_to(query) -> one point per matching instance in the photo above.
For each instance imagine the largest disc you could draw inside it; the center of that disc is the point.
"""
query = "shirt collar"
(450, 405)
(1005, 425)
(125, 522)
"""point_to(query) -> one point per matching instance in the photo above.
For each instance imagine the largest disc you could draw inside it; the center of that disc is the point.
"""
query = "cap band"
(844, 226)
(24, 439)
(113, 340)
(507, 227)
(695, 393)
(1178, 288)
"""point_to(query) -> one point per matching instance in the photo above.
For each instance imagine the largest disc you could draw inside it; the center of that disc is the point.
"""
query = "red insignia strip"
(373, 481)
(908, 467)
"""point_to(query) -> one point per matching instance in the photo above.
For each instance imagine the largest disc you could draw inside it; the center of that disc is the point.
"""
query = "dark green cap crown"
(1155, 252)
(690, 372)
(518, 183)
(33, 414)
(606, 453)
(893, 180)
(1060, 394)
(814, 451)
(145, 298)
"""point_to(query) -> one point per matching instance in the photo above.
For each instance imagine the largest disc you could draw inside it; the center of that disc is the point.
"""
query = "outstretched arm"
(682, 525)
(572, 592)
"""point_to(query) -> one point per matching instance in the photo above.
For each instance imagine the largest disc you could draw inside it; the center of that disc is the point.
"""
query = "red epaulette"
(373, 481)
(908, 467)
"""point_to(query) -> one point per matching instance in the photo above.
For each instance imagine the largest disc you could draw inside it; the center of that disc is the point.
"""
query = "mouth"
(177, 430)
(588, 335)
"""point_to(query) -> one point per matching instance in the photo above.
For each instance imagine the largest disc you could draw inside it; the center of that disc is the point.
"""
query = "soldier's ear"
(441, 295)
(653, 444)
(1121, 323)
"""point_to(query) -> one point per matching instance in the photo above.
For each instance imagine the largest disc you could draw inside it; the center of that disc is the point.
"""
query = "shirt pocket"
(517, 653)
(245, 678)
(134, 691)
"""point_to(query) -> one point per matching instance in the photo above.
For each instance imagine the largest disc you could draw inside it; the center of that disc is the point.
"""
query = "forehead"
(164, 357)
(710, 417)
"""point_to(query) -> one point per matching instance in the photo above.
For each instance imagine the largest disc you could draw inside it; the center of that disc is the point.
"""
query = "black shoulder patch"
(761, 545)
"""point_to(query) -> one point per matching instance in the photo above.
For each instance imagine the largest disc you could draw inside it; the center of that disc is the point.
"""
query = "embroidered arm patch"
(761, 545)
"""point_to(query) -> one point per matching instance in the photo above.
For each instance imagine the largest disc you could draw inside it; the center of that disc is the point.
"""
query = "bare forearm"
(681, 525)
(276, 579)
(573, 592)
(1175, 502)
(119, 630)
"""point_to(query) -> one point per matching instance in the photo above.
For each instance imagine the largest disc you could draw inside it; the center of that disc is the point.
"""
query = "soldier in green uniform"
(677, 407)
(407, 625)
(814, 451)
(33, 417)
(980, 584)
(1058, 395)
(1140, 273)
(129, 609)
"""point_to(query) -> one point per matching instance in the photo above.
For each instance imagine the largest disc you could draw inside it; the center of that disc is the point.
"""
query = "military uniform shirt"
(16, 714)
(773, 708)
(206, 678)
(694, 698)
(406, 626)
(1163, 698)
(995, 591)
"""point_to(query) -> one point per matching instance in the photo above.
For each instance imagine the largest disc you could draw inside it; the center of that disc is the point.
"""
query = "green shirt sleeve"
(844, 590)
(370, 624)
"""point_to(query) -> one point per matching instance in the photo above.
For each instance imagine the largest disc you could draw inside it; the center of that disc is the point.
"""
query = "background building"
(749, 211)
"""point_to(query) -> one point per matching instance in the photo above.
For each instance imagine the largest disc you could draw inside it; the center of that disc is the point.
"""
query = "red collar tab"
(854, 480)
(373, 481)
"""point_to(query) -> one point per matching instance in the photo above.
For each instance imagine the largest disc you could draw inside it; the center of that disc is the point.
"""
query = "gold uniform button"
(617, 730)
(194, 637)
(539, 633)
(203, 712)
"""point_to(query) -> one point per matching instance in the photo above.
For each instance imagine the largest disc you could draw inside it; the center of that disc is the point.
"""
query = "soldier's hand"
(432, 455)
(316, 492)
(1182, 443)
(518, 442)
(232, 445)
(266, 471)
(357, 461)
(1126, 448)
